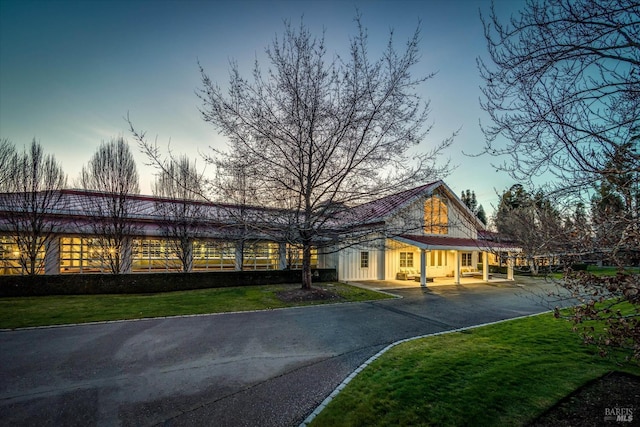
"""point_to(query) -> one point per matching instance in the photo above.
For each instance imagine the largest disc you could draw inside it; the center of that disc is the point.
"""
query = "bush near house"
(13, 286)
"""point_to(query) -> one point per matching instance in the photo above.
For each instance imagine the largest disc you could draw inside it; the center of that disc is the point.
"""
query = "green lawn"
(600, 271)
(505, 375)
(58, 310)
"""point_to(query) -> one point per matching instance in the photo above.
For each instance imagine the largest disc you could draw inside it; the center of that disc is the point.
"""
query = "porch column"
(52, 255)
(485, 266)
(456, 270)
(509, 266)
(423, 267)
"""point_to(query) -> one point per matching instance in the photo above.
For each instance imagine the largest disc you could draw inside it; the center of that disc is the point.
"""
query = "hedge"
(88, 284)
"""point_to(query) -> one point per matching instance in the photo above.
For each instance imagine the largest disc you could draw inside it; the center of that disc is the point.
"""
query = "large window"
(435, 216)
(154, 255)
(406, 259)
(82, 255)
(260, 256)
(9, 257)
(214, 255)
(294, 257)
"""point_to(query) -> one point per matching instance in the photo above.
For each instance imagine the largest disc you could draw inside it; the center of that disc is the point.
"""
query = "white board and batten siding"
(350, 266)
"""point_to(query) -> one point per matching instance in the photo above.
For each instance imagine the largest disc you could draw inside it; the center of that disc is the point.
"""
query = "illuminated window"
(406, 259)
(294, 257)
(214, 255)
(435, 216)
(155, 255)
(364, 259)
(261, 256)
(466, 259)
(82, 255)
(9, 256)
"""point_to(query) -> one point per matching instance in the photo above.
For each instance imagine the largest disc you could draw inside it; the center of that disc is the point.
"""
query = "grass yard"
(600, 271)
(610, 271)
(499, 375)
(58, 310)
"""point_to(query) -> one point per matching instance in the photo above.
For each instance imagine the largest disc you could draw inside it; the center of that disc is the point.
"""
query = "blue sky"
(70, 71)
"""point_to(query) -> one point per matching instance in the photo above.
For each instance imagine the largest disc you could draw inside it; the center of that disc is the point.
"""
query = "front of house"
(417, 234)
(429, 233)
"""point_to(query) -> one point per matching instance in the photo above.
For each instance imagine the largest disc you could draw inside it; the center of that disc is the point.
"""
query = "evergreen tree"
(470, 200)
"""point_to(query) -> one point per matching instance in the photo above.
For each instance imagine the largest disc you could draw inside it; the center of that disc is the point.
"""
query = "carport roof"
(454, 243)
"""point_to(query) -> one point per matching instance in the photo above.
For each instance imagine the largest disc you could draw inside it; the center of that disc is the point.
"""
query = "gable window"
(364, 259)
(466, 259)
(435, 216)
(406, 259)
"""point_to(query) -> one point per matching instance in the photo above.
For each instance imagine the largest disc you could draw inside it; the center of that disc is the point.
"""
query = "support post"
(456, 270)
(423, 268)
(485, 266)
(509, 266)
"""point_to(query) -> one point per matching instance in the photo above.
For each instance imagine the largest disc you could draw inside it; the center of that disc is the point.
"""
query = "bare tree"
(236, 182)
(113, 174)
(7, 163)
(183, 214)
(532, 222)
(323, 133)
(34, 183)
(563, 94)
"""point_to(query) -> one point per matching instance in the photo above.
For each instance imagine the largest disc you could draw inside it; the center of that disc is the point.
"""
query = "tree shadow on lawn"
(597, 403)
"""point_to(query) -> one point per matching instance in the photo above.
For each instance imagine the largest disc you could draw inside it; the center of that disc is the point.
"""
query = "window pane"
(364, 259)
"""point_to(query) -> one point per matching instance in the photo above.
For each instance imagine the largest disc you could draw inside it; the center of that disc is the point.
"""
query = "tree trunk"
(306, 266)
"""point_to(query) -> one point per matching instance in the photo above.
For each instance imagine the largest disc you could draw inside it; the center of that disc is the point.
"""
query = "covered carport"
(457, 246)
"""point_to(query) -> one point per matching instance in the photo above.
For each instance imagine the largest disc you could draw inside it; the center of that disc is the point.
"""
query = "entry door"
(437, 263)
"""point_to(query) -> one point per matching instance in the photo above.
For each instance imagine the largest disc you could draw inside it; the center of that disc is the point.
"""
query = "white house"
(426, 232)
(421, 233)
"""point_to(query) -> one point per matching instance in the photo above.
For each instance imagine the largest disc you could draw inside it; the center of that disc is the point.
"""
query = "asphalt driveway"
(267, 368)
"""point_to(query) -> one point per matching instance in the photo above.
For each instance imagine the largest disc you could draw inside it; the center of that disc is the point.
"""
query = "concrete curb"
(360, 368)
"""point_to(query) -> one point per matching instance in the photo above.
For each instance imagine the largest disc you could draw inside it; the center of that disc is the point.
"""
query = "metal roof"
(454, 243)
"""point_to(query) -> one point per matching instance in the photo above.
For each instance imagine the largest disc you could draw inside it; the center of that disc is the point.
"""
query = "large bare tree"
(323, 132)
(33, 183)
(183, 214)
(562, 89)
(112, 173)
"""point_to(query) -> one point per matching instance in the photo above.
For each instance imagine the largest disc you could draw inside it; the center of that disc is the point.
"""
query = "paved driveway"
(269, 368)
